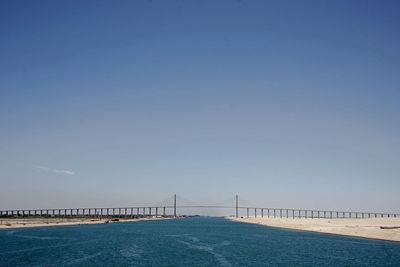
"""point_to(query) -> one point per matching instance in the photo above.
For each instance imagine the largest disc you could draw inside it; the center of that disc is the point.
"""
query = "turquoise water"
(188, 242)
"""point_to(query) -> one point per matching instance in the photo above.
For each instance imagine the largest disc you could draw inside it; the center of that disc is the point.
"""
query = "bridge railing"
(142, 211)
(310, 213)
(171, 211)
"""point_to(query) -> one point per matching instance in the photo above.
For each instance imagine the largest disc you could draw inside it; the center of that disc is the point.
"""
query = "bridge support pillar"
(175, 205)
(237, 206)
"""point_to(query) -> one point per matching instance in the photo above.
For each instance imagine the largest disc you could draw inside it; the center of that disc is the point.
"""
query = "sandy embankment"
(40, 222)
(369, 228)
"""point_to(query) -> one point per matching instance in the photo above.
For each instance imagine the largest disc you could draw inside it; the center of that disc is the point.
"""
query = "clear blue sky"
(287, 103)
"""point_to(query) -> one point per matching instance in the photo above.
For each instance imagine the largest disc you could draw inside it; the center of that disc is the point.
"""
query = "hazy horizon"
(286, 103)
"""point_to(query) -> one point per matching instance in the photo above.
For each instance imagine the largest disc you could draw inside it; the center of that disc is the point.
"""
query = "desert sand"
(9, 223)
(368, 228)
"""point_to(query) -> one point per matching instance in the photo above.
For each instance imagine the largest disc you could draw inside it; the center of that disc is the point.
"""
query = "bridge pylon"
(175, 205)
(237, 206)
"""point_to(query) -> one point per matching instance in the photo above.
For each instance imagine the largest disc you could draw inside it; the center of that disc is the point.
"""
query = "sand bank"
(41, 222)
(368, 228)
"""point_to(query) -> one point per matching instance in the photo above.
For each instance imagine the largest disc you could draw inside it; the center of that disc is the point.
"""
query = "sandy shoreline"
(44, 222)
(368, 228)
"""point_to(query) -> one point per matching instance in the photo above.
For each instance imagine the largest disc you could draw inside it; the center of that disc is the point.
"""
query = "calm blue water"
(188, 242)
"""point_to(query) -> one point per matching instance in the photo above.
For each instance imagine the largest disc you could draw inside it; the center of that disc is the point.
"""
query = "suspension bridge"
(173, 210)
